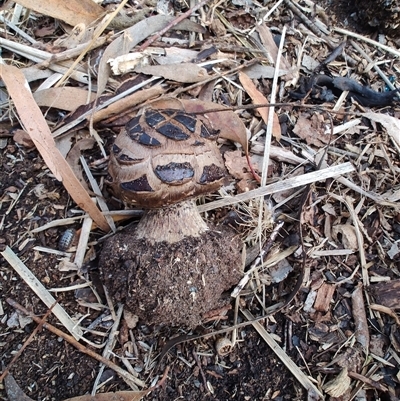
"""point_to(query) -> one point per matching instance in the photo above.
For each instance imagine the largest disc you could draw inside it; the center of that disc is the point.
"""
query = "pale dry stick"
(82, 117)
(268, 133)
(313, 391)
(376, 68)
(83, 241)
(109, 347)
(99, 196)
(292, 182)
(51, 251)
(17, 30)
(99, 30)
(360, 384)
(70, 339)
(313, 28)
(173, 23)
(360, 241)
(368, 40)
(70, 53)
(38, 56)
(41, 292)
(266, 16)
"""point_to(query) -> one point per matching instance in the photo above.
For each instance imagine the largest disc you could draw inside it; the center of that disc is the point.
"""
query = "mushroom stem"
(172, 223)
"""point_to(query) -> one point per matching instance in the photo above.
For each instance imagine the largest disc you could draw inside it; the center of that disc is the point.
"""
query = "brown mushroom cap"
(163, 157)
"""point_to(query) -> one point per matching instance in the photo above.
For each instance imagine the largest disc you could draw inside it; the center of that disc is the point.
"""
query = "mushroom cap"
(163, 157)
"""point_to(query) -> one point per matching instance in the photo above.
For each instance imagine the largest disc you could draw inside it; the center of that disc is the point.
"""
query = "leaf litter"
(334, 309)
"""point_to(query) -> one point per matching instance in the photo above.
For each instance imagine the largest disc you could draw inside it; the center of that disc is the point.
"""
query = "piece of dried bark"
(387, 293)
(360, 317)
(324, 297)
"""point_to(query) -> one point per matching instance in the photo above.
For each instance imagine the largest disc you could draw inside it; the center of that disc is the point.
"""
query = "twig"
(289, 183)
(368, 40)
(170, 25)
(41, 292)
(99, 30)
(124, 374)
(109, 347)
(27, 342)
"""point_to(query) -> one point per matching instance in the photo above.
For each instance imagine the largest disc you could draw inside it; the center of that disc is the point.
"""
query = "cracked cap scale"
(164, 157)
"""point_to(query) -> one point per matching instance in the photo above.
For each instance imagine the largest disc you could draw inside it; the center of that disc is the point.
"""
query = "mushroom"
(172, 268)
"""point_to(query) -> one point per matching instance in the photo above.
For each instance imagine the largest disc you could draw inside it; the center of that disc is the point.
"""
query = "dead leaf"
(258, 98)
(131, 37)
(72, 12)
(257, 71)
(348, 236)
(64, 98)
(118, 396)
(392, 124)
(268, 42)
(35, 124)
(311, 129)
(22, 137)
(237, 165)
(184, 72)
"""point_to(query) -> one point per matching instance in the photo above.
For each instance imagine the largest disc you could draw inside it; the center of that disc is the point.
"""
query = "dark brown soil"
(174, 284)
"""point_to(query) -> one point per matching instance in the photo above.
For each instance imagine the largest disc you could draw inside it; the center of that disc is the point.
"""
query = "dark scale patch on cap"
(211, 173)
(139, 185)
(175, 173)
(206, 133)
(116, 149)
(187, 120)
(133, 125)
(144, 139)
(171, 131)
(125, 159)
(198, 143)
(153, 117)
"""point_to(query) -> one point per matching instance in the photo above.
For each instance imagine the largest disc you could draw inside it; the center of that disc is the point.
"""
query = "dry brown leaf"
(392, 124)
(238, 168)
(64, 98)
(348, 235)
(72, 12)
(258, 98)
(360, 317)
(311, 129)
(184, 72)
(36, 126)
(22, 137)
(237, 165)
(118, 396)
(131, 37)
(269, 43)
